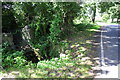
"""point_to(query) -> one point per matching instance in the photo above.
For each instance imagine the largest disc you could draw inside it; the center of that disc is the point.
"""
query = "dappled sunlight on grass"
(92, 30)
(55, 68)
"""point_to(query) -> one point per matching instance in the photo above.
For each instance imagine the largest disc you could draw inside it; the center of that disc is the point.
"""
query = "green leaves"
(111, 10)
(104, 6)
(12, 58)
(19, 61)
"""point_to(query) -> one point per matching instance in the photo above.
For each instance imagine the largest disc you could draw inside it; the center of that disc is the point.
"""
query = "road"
(109, 51)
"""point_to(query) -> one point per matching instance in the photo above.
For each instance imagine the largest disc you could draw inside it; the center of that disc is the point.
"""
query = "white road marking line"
(102, 53)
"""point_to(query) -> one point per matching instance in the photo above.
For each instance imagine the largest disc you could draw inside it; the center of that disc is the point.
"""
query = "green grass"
(115, 23)
(86, 26)
(55, 68)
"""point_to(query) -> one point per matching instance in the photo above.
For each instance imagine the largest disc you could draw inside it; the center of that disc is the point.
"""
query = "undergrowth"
(72, 62)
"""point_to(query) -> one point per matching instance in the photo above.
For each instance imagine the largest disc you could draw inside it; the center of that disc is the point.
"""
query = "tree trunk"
(93, 19)
(112, 20)
(94, 13)
(118, 19)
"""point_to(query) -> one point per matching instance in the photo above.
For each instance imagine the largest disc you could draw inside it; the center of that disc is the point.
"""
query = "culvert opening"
(35, 57)
(31, 56)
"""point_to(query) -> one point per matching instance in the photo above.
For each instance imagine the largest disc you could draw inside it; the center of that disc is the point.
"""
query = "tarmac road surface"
(109, 51)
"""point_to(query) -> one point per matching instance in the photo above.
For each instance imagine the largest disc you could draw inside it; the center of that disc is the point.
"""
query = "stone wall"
(27, 34)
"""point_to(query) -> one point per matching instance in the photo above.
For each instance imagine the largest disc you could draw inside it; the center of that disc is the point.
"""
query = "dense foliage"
(48, 21)
(111, 10)
(47, 27)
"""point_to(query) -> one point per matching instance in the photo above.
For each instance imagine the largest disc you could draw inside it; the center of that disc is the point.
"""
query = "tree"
(9, 24)
(111, 8)
(94, 11)
(8, 19)
(46, 21)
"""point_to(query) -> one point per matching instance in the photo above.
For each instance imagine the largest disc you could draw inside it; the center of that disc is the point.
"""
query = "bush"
(83, 26)
(12, 58)
(105, 17)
